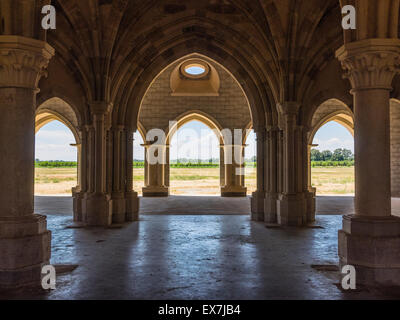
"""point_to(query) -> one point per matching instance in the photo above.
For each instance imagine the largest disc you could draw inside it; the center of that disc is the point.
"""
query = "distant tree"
(342, 155)
(326, 155)
(338, 155)
(348, 154)
(316, 155)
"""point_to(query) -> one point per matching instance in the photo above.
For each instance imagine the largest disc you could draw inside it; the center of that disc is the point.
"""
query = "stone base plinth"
(257, 206)
(372, 246)
(25, 246)
(233, 191)
(155, 191)
(311, 205)
(291, 209)
(97, 209)
(270, 208)
(118, 208)
(132, 206)
(78, 198)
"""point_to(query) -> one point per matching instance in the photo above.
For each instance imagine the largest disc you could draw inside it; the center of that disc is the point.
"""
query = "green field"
(335, 181)
(202, 181)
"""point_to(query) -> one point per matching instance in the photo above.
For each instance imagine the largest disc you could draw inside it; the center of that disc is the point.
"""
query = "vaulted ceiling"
(276, 49)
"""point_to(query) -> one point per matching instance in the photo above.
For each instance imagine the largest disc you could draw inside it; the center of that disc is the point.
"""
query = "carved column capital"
(100, 108)
(261, 134)
(23, 61)
(289, 107)
(371, 63)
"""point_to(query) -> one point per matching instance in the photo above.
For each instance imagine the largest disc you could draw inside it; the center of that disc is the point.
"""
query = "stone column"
(77, 191)
(24, 238)
(221, 165)
(155, 184)
(118, 186)
(98, 204)
(311, 192)
(258, 197)
(233, 172)
(272, 176)
(166, 167)
(292, 206)
(86, 174)
(370, 239)
(131, 197)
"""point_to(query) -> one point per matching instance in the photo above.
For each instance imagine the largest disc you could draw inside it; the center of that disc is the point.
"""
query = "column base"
(270, 208)
(372, 246)
(77, 198)
(118, 208)
(311, 205)
(155, 192)
(233, 191)
(257, 206)
(132, 206)
(291, 209)
(25, 247)
(97, 209)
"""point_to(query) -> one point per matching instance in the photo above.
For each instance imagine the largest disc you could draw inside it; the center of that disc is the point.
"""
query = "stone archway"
(207, 120)
(57, 109)
(219, 102)
(330, 110)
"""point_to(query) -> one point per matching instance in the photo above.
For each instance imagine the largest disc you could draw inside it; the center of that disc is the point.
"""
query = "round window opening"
(195, 69)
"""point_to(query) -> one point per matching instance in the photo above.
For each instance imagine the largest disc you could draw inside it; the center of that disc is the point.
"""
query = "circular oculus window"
(195, 69)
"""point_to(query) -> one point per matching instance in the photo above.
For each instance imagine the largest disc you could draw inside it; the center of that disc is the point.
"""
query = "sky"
(195, 140)
(332, 136)
(53, 143)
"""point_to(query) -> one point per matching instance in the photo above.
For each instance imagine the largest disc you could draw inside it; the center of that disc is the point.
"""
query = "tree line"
(327, 155)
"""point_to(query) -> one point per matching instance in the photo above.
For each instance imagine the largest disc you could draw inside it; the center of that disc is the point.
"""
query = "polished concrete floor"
(196, 256)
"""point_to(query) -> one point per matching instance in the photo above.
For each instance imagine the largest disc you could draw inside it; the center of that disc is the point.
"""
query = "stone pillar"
(291, 205)
(118, 185)
(234, 171)
(98, 203)
(155, 184)
(370, 239)
(24, 238)
(258, 197)
(167, 167)
(131, 197)
(76, 191)
(272, 176)
(85, 176)
(311, 192)
(221, 165)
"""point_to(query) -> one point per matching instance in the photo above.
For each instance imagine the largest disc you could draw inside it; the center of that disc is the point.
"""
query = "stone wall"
(395, 146)
(230, 108)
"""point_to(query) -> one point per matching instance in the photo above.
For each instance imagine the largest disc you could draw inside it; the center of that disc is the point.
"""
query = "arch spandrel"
(195, 115)
(331, 110)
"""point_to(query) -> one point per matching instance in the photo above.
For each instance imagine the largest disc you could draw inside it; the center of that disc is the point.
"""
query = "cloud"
(194, 144)
(334, 143)
(55, 145)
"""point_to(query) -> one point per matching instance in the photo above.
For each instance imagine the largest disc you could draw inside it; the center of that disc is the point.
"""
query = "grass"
(335, 181)
(202, 181)
(55, 181)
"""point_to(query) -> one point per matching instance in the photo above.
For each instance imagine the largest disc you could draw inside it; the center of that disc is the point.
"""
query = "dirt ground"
(333, 181)
(187, 181)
